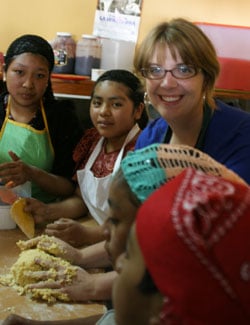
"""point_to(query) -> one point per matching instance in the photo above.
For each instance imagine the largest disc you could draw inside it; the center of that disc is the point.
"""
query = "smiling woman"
(180, 67)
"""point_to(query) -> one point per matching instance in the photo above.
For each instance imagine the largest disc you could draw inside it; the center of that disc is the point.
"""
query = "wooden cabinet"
(74, 85)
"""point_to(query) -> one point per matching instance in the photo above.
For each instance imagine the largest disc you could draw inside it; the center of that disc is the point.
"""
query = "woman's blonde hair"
(194, 47)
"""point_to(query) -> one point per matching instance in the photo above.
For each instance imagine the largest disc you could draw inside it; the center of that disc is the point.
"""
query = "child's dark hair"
(121, 181)
(147, 285)
(135, 89)
(34, 44)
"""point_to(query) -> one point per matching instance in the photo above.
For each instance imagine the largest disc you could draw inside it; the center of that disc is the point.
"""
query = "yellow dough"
(23, 219)
(32, 260)
(42, 242)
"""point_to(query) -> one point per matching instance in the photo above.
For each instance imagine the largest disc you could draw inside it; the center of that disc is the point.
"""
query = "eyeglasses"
(181, 71)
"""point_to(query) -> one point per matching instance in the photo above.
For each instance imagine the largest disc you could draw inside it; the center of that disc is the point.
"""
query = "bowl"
(6, 222)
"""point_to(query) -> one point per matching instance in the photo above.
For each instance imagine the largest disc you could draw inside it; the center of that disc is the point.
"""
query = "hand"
(28, 244)
(53, 246)
(38, 210)
(71, 231)
(16, 172)
(81, 289)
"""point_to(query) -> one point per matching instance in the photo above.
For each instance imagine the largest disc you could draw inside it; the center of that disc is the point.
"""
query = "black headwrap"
(30, 44)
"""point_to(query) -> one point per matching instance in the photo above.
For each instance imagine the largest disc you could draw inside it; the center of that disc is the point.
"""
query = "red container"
(234, 74)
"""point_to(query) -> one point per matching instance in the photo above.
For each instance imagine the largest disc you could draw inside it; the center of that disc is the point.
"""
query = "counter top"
(11, 302)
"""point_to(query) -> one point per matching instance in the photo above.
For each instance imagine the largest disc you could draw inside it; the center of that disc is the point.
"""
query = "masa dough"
(21, 274)
(44, 242)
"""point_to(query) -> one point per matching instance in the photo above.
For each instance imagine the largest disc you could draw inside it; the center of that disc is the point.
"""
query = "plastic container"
(117, 54)
(6, 222)
(88, 55)
(64, 48)
(96, 73)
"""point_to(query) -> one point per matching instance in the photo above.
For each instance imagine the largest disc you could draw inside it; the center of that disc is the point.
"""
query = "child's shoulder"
(85, 145)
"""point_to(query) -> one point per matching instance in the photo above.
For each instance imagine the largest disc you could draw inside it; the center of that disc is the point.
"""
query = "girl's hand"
(16, 172)
(71, 231)
(38, 210)
(81, 289)
(53, 246)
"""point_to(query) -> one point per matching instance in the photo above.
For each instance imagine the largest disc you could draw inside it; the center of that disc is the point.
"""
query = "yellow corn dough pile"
(41, 242)
(20, 276)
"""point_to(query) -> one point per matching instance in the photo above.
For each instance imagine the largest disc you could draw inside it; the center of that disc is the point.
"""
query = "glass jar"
(64, 48)
(88, 55)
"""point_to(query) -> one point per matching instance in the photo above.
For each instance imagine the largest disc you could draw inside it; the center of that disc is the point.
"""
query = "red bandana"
(194, 233)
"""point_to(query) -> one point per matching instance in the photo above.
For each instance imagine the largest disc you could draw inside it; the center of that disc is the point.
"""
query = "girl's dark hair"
(135, 89)
(120, 180)
(36, 45)
(147, 285)
(30, 44)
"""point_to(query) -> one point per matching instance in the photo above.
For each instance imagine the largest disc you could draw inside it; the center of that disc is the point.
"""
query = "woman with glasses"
(180, 67)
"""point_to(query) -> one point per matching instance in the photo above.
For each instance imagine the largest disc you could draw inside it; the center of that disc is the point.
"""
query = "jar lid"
(66, 34)
(89, 36)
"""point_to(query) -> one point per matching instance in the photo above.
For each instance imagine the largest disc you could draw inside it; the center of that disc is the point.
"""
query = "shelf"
(85, 87)
(228, 93)
(81, 87)
(75, 85)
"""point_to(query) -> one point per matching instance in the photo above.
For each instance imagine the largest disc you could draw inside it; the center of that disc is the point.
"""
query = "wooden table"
(11, 302)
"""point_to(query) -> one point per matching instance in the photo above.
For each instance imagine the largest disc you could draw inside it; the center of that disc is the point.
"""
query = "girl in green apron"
(37, 135)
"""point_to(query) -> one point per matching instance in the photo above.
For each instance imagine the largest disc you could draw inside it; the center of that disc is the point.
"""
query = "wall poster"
(118, 19)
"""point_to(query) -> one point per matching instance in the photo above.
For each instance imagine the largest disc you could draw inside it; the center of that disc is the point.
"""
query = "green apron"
(32, 146)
